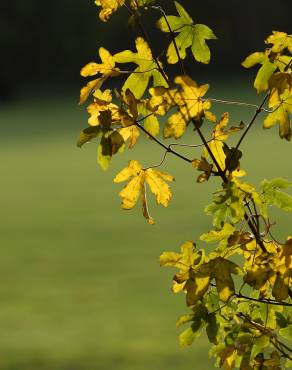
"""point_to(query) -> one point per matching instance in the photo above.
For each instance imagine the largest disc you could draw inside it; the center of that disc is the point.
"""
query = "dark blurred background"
(44, 45)
(80, 282)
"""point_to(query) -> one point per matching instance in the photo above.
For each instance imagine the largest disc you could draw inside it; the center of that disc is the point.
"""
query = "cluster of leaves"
(274, 76)
(240, 292)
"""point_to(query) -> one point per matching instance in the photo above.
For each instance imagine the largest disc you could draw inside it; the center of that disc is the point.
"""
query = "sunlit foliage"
(240, 293)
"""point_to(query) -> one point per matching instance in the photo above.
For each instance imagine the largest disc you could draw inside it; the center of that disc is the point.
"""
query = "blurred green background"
(80, 283)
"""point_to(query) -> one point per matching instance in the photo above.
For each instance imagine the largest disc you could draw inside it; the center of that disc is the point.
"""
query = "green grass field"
(80, 283)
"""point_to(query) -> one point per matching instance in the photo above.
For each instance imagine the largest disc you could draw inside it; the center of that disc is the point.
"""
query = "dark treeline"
(44, 44)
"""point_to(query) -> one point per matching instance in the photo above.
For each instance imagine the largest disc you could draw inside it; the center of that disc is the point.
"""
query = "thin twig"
(233, 102)
(143, 30)
(257, 112)
(163, 145)
(172, 36)
(264, 300)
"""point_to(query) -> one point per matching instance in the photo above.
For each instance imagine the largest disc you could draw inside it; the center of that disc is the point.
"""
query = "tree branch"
(257, 112)
(167, 148)
(265, 300)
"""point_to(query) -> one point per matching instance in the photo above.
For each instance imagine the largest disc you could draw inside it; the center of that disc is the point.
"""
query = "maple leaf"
(130, 134)
(273, 196)
(280, 101)
(221, 270)
(106, 69)
(220, 236)
(191, 278)
(229, 205)
(225, 156)
(111, 141)
(151, 122)
(108, 7)
(162, 100)
(191, 106)
(138, 80)
(216, 145)
(138, 108)
(199, 320)
(261, 82)
(228, 357)
(102, 102)
(280, 41)
(203, 165)
(189, 35)
(135, 188)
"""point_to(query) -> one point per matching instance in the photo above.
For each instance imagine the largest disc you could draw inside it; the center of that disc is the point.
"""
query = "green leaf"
(200, 49)
(215, 236)
(212, 328)
(286, 332)
(275, 197)
(253, 59)
(138, 81)
(288, 364)
(87, 135)
(184, 319)
(187, 337)
(104, 153)
(189, 35)
(220, 212)
(221, 270)
(261, 82)
(182, 13)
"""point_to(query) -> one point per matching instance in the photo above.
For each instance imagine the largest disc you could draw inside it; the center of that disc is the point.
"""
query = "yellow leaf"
(130, 134)
(197, 285)
(278, 83)
(162, 99)
(281, 115)
(227, 357)
(190, 97)
(102, 102)
(138, 80)
(190, 104)
(159, 187)
(131, 192)
(283, 271)
(106, 68)
(133, 169)
(264, 73)
(151, 124)
(219, 135)
(280, 41)
(90, 88)
(108, 7)
(221, 271)
(175, 126)
(136, 186)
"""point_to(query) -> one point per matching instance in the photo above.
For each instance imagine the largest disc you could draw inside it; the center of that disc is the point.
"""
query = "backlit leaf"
(276, 197)
(189, 35)
(105, 69)
(266, 70)
(138, 80)
(108, 7)
(190, 106)
(135, 188)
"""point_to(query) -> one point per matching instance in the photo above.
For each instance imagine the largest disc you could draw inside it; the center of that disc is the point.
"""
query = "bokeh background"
(80, 283)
